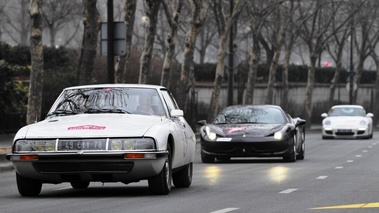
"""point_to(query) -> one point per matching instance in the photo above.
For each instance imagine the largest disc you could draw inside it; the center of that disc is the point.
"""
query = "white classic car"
(347, 121)
(106, 133)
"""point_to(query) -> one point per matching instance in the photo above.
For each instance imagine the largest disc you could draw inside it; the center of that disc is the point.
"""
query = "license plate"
(344, 130)
(76, 145)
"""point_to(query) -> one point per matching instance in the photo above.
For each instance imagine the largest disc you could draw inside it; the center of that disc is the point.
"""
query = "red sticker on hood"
(93, 127)
(236, 129)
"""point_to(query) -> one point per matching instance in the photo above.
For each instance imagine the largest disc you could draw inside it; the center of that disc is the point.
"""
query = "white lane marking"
(321, 177)
(364, 151)
(338, 167)
(358, 156)
(350, 161)
(225, 210)
(287, 191)
(370, 147)
(374, 144)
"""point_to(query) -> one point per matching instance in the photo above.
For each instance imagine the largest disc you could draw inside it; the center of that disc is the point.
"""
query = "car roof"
(347, 106)
(255, 106)
(116, 85)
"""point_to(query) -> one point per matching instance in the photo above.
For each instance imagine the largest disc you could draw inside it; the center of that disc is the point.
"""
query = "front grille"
(77, 167)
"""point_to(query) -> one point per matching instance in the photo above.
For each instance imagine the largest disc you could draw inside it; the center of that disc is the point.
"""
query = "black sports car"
(252, 131)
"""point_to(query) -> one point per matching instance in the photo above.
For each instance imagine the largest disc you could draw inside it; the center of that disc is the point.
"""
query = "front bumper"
(265, 148)
(103, 167)
(328, 132)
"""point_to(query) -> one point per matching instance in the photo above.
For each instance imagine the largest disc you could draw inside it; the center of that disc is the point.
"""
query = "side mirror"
(324, 115)
(370, 115)
(177, 113)
(300, 122)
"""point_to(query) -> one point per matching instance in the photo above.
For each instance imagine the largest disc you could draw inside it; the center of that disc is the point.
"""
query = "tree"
(199, 10)
(366, 33)
(36, 74)
(173, 21)
(258, 12)
(315, 32)
(151, 9)
(277, 31)
(129, 18)
(91, 22)
(17, 27)
(336, 48)
(58, 14)
(224, 27)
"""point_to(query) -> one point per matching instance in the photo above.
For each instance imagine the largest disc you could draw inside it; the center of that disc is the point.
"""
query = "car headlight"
(131, 144)
(363, 123)
(327, 123)
(278, 135)
(210, 134)
(35, 146)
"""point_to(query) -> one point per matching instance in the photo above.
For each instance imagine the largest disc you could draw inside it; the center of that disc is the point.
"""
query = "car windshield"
(347, 111)
(108, 100)
(256, 115)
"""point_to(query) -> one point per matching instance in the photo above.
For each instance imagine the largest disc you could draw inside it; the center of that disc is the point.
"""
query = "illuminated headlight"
(327, 123)
(35, 146)
(211, 135)
(278, 135)
(132, 144)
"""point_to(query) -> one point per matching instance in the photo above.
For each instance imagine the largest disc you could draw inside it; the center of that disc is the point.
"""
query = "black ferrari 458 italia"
(252, 131)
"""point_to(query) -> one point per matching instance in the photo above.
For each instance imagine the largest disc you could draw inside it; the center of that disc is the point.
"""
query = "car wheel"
(300, 156)
(183, 178)
(28, 187)
(207, 158)
(79, 184)
(291, 157)
(161, 184)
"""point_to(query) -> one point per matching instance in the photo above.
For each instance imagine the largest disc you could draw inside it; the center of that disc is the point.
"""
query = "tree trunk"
(376, 98)
(272, 77)
(121, 71)
(36, 74)
(309, 90)
(152, 9)
(285, 83)
(253, 69)
(91, 22)
(334, 83)
(171, 43)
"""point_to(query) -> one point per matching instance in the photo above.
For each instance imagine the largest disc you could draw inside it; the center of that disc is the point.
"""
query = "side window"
(170, 101)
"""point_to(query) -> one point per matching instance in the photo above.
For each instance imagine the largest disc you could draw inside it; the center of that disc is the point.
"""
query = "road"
(336, 176)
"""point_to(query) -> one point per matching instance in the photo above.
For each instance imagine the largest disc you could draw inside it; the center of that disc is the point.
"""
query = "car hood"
(345, 120)
(90, 125)
(253, 130)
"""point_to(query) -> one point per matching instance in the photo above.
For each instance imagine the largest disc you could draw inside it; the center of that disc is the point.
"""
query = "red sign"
(87, 127)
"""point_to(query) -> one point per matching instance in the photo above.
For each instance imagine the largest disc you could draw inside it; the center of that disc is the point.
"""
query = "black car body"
(252, 131)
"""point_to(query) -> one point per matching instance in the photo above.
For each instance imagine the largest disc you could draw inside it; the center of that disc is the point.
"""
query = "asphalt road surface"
(336, 176)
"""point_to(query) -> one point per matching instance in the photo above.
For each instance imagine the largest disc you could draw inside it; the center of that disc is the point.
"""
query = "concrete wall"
(296, 94)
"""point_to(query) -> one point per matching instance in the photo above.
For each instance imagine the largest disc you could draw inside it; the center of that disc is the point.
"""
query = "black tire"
(291, 157)
(28, 187)
(183, 178)
(300, 156)
(79, 184)
(161, 184)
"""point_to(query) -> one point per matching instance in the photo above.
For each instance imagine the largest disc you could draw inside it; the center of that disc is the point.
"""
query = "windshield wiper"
(62, 112)
(91, 110)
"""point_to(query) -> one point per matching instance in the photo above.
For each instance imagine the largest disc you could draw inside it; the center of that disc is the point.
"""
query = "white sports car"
(347, 121)
(106, 133)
